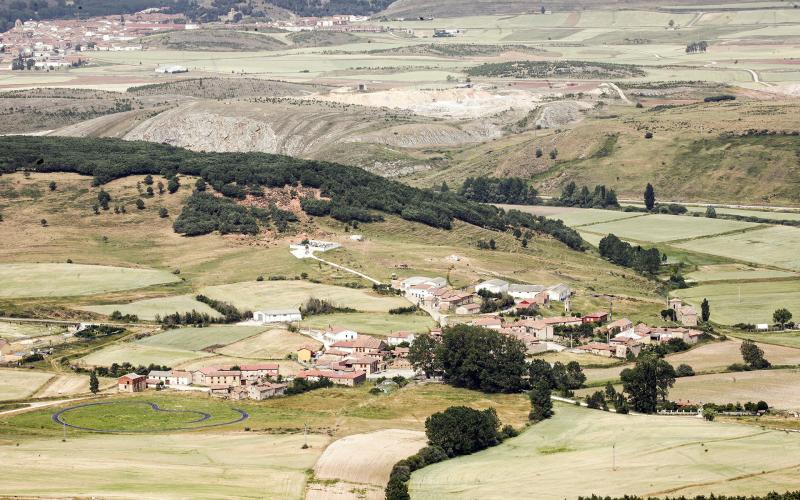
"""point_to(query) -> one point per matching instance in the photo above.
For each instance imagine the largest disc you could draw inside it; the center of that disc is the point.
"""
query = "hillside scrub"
(354, 193)
(555, 69)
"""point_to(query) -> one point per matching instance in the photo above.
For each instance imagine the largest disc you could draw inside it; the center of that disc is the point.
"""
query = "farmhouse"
(620, 326)
(400, 337)
(306, 353)
(657, 335)
(265, 390)
(259, 371)
(132, 382)
(563, 321)
(349, 379)
(493, 286)
(686, 314)
(277, 316)
(421, 280)
(539, 329)
(490, 322)
(344, 346)
(472, 308)
(367, 364)
(599, 349)
(597, 317)
(447, 299)
(369, 345)
(338, 334)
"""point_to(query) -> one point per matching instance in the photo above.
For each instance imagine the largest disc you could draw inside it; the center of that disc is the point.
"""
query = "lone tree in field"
(711, 213)
(647, 382)
(705, 310)
(148, 180)
(140, 204)
(53, 185)
(173, 184)
(781, 317)
(541, 405)
(103, 198)
(163, 213)
(649, 197)
(753, 355)
(94, 384)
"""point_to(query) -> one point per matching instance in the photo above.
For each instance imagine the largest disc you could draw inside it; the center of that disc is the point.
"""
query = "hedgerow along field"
(148, 309)
(645, 455)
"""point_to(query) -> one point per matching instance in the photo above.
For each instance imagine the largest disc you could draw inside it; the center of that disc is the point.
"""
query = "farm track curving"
(57, 418)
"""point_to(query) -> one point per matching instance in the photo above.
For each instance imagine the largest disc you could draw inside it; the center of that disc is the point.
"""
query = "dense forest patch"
(556, 69)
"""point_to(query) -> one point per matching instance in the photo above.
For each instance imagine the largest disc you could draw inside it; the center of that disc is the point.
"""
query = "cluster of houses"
(250, 381)
(436, 294)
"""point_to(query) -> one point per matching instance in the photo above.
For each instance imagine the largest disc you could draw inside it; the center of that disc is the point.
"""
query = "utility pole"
(613, 456)
(305, 434)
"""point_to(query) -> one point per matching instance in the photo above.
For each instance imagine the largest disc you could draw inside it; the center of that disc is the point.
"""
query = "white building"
(277, 316)
(400, 337)
(337, 334)
(493, 286)
(523, 292)
(559, 292)
(422, 280)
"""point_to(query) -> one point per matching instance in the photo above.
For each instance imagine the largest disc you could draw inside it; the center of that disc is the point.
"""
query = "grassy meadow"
(757, 302)
(20, 383)
(651, 456)
(773, 246)
(196, 339)
(663, 228)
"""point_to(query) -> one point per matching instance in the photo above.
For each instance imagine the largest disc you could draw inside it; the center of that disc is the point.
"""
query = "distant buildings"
(173, 69)
(277, 316)
(132, 382)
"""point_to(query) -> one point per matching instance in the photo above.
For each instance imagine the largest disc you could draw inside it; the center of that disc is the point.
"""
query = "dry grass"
(777, 387)
(272, 344)
(18, 384)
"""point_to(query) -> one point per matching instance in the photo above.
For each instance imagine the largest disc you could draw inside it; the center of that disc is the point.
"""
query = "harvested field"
(61, 280)
(654, 456)
(272, 344)
(171, 466)
(13, 331)
(260, 295)
(148, 309)
(751, 302)
(213, 41)
(367, 458)
(70, 384)
(772, 246)
(138, 354)
(287, 367)
(18, 384)
(196, 339)
(716, 356)
(777, 387)
(662, 228)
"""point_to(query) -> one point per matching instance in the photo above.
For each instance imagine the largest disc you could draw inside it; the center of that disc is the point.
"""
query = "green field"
(59, 280)
(788, 339)
(377, 324)
(262, 295)
(196, 339)
(762, 214)
(575, 217)
(662, 228)
(756, 304)
(571, 455)
(731, 272)
(18, 384)
(773, 246)
(138, 354)
(148, 309)
(11, 331)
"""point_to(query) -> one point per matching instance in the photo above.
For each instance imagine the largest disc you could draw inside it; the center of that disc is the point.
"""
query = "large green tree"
(94, 383)
(541, 404)
(567, 378)
(705, 310)
(782, 316)
(482, 359)
(422, 355)
(648, 382)
(460, 430)
(753, 355)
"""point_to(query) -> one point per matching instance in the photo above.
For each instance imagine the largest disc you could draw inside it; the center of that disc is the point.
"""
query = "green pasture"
(663, 228)
(646, 456)
(730, 272)
(195, 339)
(773, 246)
(148, 309)
(787, 338)
(138, 354)
(757, 302)
(284, 294)
(762, 214)
(378, 324)
(60, 280)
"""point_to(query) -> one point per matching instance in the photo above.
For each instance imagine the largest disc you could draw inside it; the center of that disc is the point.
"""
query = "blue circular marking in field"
(57, 417)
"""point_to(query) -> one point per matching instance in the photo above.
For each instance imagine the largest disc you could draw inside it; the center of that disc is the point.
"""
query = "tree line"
(600, 197)
(622, 253)
(353, 194)
(512, 190)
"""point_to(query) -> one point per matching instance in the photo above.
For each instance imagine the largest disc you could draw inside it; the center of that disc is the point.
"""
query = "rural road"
(619, 91)
(352, 271)
(39, 404)
(756, 78)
